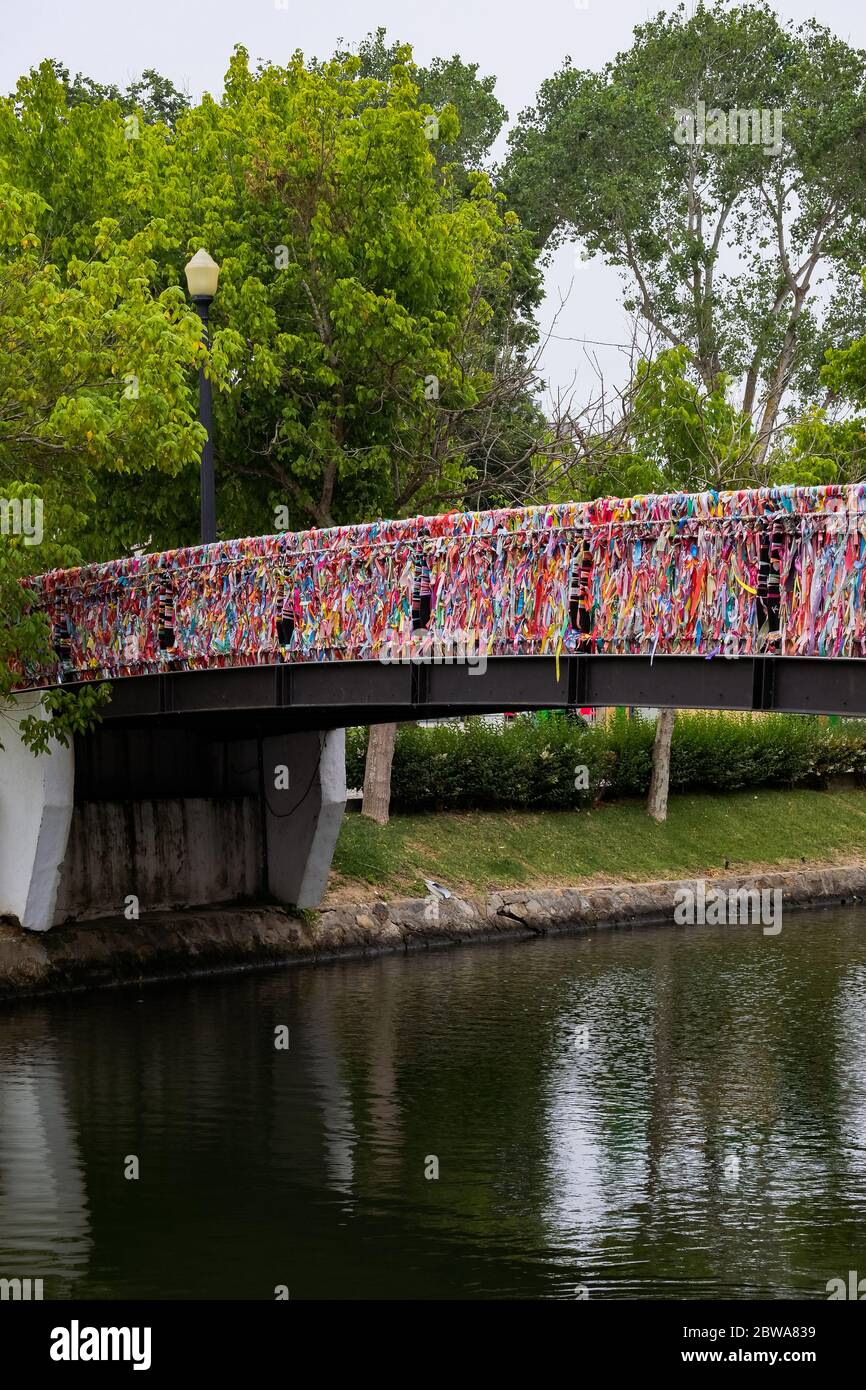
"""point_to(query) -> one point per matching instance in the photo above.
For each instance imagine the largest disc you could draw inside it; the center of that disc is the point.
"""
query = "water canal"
(665, 1113)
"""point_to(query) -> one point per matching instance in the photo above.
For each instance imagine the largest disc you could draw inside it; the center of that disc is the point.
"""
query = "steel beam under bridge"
(334, 694)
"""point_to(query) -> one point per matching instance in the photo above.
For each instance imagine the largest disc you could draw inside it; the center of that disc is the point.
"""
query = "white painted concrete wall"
(303, 822)
(35, 814)
(332, 806)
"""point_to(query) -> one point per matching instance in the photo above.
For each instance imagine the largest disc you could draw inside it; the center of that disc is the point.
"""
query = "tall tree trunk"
(377, 772)
(657, 801)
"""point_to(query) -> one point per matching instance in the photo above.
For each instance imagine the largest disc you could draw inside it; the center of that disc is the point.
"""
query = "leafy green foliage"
(674, 435)
(369, 277)
(746, 255)
(357, 287)
(530, 765)
(152, 96)
(444, 82)
(95, 368)
(374, 292)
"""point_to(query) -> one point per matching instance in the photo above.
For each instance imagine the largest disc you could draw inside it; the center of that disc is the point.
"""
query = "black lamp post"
(202, 273)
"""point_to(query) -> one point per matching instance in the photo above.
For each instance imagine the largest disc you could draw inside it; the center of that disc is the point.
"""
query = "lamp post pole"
(202, 274)
(207, 483)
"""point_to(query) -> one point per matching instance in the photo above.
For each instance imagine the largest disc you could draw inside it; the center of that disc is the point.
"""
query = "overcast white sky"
(521, 43)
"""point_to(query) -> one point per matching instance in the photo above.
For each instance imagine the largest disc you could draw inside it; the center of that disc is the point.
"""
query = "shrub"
(530, 764)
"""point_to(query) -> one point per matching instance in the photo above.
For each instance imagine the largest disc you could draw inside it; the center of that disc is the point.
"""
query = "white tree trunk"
(377, 773)
(657, 801)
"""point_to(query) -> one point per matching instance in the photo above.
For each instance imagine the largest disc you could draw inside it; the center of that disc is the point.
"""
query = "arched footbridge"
(218, 771)
(733, 600)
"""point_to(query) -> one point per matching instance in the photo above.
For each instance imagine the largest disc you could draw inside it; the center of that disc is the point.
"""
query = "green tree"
(825, 447)
(360, 336)
(371, 330)
(747, 254)
(351, 339)
(151, 96)
(94, 378)
(332, 210)
(444, 82)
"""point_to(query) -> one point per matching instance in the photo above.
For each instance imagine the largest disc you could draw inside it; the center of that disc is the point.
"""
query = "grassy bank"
(474, 851)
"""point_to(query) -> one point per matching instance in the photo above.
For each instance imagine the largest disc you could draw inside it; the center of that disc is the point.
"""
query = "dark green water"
(710, 1140)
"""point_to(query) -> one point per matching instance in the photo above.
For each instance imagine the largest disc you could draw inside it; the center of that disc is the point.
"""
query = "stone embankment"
(199, 941)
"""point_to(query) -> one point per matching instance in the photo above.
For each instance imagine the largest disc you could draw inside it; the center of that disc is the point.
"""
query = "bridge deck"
(333, 695)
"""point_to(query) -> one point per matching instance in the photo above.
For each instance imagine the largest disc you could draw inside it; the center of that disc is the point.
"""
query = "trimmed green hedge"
(535, 765)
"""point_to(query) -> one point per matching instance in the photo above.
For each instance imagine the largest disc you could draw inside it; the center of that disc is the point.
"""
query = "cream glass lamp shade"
(202, 273)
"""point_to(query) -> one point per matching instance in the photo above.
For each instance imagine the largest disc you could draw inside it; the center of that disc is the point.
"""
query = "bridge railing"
(775, 570)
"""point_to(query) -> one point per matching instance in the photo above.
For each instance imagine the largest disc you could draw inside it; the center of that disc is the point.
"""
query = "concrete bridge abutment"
(140, 820)
(36, 801)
